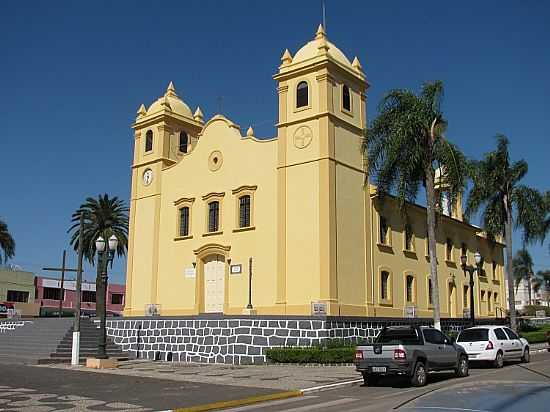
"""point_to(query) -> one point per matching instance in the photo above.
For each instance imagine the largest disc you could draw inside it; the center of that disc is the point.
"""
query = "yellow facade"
(206, 198)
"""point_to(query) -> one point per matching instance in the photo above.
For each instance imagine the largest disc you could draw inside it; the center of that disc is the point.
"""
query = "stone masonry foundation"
(245, 340)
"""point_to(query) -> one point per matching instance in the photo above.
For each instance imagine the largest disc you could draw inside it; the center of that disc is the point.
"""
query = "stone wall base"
(243, 339)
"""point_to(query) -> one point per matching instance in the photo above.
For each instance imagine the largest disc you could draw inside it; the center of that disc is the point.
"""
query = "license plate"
(379, 369)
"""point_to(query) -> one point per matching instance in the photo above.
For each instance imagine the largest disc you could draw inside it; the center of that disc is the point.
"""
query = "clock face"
(147, 177)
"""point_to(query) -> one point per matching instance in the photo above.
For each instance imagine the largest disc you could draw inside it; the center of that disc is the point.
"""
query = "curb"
(331, 386)
(240, 402)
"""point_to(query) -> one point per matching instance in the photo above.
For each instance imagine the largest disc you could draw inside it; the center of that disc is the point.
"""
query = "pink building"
(47, 295)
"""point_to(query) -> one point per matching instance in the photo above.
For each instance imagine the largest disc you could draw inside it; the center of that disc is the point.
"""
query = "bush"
(536, 334)
(531, 310)
(343, 354)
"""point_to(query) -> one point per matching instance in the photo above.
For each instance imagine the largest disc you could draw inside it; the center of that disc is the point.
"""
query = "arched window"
(244, 211)
(213, 216)
(184, 221)
(409, 288)
(384, 285)
(449, 250)
(149, 141)
(302, 97)
(346, 98)
(184, 141)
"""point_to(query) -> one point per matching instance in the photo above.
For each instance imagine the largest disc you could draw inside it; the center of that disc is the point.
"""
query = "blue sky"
(73, 74)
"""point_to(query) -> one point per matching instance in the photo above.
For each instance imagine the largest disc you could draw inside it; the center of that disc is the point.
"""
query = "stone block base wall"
(244, 340)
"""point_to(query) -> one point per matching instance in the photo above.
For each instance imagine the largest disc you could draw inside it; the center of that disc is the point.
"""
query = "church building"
(224, 221)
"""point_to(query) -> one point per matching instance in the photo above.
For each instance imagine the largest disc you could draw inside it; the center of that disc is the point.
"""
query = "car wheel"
(420, 375)
(526, 356)
(462, 369)
(499, 360)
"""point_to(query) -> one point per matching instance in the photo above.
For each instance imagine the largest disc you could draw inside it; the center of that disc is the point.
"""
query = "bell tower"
(320, 175)
(163, 134)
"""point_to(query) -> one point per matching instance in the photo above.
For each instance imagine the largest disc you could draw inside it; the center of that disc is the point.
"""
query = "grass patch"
(535, 334)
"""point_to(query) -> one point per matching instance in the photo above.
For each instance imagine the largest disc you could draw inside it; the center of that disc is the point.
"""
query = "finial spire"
(250, 131)
(141, 111)
(357, 64)
(286, 59)
(198, 116)
(320, 34)
(171, 90)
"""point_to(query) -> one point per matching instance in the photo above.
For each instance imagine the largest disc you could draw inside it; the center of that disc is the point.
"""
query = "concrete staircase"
(49, 340)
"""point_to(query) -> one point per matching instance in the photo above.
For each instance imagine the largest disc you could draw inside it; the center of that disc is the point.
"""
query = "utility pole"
(75, 356)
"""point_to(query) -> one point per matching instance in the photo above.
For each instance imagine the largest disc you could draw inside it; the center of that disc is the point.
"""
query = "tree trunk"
(430, 200)
(509, 275)
(529, 288)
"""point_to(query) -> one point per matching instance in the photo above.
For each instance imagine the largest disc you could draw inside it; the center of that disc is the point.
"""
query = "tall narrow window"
(409, 238)
(430, 290)
(184, 221)
(184, 141)
(449, 250)
(466, 297)
(384, 285)
(244, 211)
(489, 301)
(409, 288)
(213, 216)
(346, 98)
(149, 141)
(384, 229)
(302, 98)
(495, 277)
(464, 251)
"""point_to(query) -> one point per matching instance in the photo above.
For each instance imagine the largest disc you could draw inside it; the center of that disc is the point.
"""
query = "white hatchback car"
(495, 344)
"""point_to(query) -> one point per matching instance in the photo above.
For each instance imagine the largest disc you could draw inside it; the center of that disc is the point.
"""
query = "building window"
(489, 302)
(430, 290)
(302, 95)
(149, 141)
(184, 221)
(51, 293)
(184, 141)
(384, 231)
(116, 298)
(244, 211)
(88, 296)
(384, 285)
(495, 275)
(466, 297)
(346, 98)
(464, 251)
(214, 216)
(409, 288)
(409, 244)
(17, 296)
(449, 250)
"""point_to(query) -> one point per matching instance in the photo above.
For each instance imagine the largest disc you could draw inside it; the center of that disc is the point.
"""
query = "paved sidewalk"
(283, 377)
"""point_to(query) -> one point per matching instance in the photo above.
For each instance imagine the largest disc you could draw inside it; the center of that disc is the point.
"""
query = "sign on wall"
(409, 311)
(318, 308)
(190, 272)
(236, 269)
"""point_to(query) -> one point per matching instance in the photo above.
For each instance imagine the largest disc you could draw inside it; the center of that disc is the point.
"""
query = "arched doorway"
(452, 300)
(214, 283)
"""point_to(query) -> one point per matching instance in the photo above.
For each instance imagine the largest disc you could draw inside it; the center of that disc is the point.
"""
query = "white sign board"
(190, 272)
(318, 308)
(236, 269)
(409, 311)
(67, 285)
(540, 314)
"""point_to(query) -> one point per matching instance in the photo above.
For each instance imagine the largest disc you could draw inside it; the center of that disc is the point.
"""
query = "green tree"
(506, 204)
(103, 217)
(7, 244)
(522, 267)
(404, 147)
(542, 284)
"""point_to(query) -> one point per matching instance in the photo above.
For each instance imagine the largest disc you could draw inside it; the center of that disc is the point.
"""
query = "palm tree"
(7, 244)
(522, 267)
(404, 146)
(505, 203)
(103, 217)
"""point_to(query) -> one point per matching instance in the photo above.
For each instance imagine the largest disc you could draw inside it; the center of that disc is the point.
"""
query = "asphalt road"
(37, 389)
(516, 387)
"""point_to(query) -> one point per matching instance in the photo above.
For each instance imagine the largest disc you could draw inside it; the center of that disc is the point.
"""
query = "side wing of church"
(219, 217)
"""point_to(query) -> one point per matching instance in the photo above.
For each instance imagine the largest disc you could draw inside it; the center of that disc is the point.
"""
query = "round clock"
(147, 177)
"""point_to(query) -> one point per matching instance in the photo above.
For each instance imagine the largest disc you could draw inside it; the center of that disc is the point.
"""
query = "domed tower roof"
(311, 49)
(170, 101)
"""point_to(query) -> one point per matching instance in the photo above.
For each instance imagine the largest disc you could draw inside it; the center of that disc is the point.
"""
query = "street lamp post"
(471, 270)
(104, 256)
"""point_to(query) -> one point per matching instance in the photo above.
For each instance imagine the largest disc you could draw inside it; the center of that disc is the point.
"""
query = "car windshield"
(398, 337)
(473, 335)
